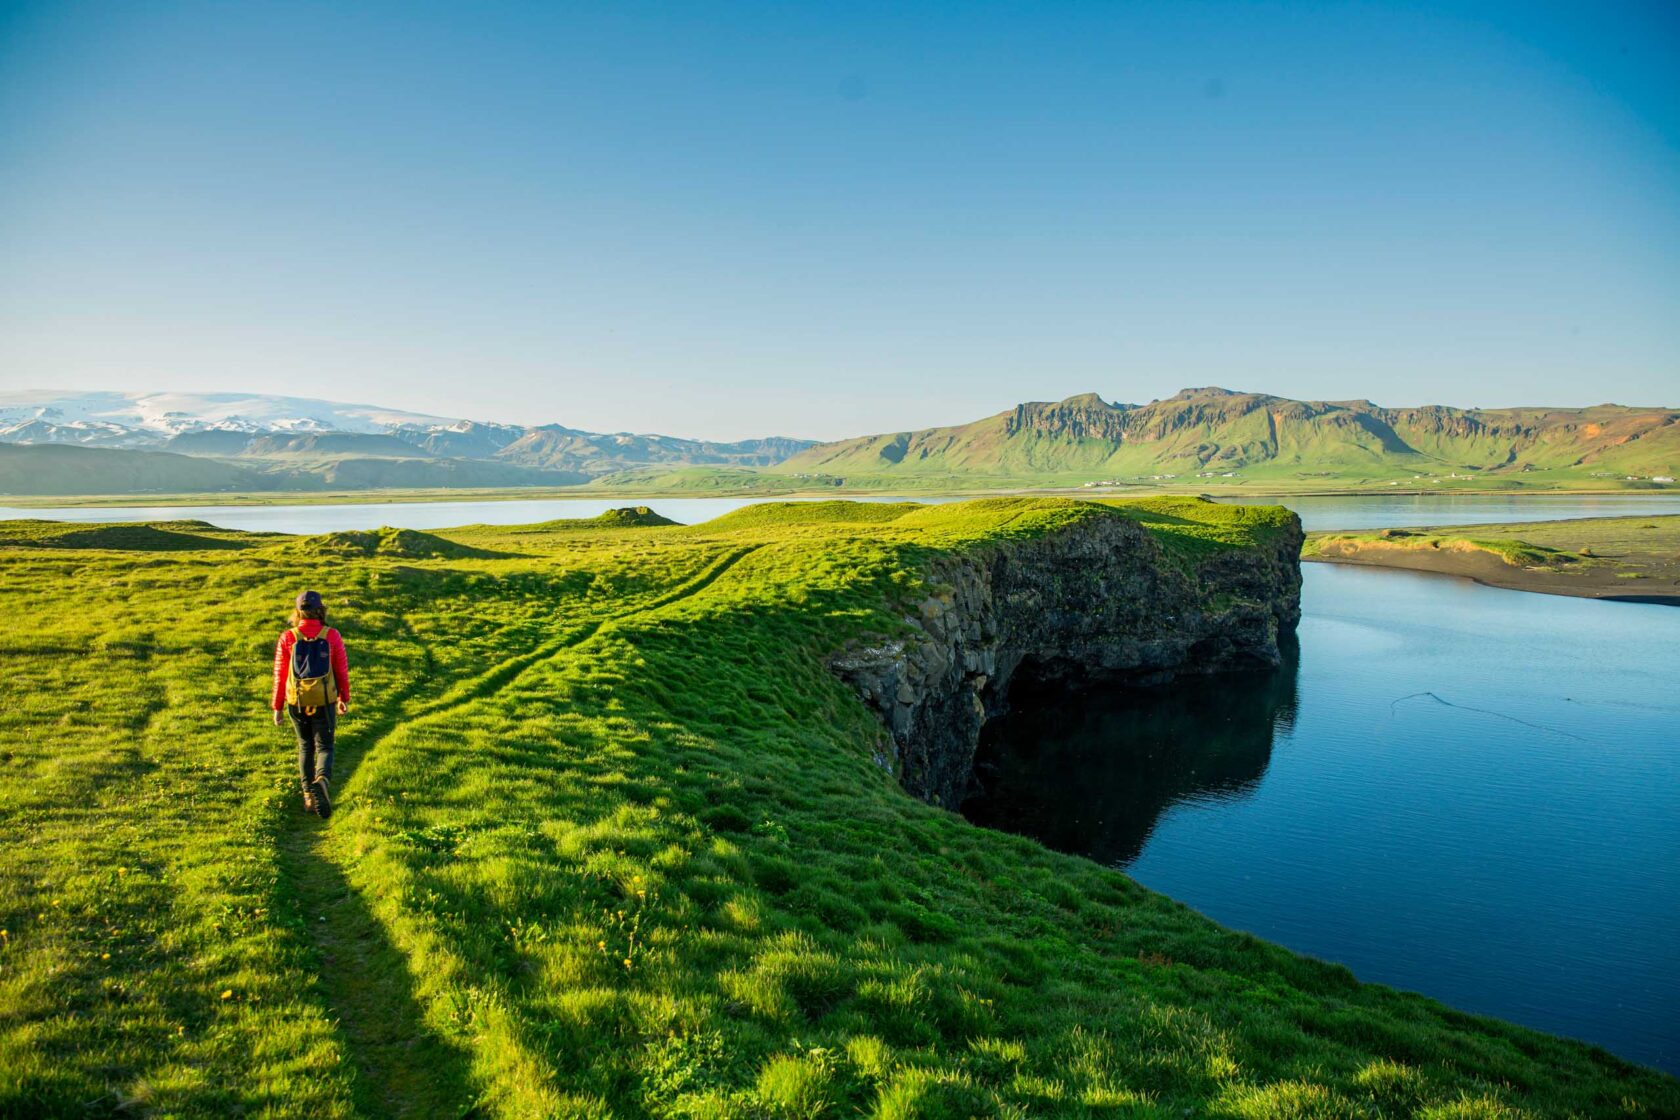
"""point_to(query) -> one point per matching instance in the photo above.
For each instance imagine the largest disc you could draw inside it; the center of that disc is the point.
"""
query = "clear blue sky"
(823, 220)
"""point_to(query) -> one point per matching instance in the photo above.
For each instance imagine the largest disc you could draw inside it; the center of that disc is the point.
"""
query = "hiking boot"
(308, 798)
(323, 799)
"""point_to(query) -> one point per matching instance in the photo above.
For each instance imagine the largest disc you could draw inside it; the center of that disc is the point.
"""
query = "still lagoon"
(1454, 789)
(1370, 512)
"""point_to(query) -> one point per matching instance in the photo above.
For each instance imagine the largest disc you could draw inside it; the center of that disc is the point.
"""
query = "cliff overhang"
(1100, 603)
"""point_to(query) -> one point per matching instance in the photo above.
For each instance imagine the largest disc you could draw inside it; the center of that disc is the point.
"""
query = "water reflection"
(1475, 798)
(1092, 773)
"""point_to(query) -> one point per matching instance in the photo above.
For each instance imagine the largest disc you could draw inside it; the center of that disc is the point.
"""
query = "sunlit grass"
(611, 842)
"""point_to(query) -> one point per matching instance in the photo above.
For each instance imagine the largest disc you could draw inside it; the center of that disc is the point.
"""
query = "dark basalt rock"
(1099, 604)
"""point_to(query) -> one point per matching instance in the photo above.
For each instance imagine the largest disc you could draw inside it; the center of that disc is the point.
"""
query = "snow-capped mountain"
(47, 428)
(292, 434)
(137, 419)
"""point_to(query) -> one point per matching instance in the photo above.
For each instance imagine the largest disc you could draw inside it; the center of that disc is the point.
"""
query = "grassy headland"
(611, 843)
(1635, 558)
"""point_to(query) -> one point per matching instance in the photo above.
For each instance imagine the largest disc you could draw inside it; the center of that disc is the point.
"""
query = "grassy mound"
(612, 843)
(631, 517)
(155, 536)
(625, 517)
(408, 544)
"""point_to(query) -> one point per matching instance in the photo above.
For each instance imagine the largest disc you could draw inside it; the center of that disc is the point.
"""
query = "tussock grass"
(611, 843)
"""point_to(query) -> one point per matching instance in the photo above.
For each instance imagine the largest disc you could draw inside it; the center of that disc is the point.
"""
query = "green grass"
(611, 842)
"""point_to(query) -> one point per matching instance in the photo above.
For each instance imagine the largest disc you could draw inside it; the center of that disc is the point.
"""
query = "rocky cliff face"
(1083, 417)
(1097, 604)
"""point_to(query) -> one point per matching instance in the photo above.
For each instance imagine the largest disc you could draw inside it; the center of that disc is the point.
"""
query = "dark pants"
(314, 741)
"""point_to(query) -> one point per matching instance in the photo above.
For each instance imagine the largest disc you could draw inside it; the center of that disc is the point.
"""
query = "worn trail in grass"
(404, 1068)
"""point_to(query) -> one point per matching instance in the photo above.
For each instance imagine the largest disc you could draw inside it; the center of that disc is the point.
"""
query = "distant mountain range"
(1213, 432)
(146, 419)
(115, 443)
(261, 442)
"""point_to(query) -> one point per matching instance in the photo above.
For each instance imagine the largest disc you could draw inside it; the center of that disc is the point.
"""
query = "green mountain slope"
(1203, 431)
(353, 473)
(53, 469)
(44, 469)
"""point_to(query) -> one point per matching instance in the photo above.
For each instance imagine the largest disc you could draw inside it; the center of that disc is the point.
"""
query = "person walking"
(312, 686)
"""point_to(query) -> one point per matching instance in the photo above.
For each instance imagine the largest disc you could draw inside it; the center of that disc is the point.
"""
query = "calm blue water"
(331, 518)
(1378, 511)
(1458, 790)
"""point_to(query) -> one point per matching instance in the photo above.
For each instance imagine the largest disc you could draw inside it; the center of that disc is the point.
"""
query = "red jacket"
(283, 660)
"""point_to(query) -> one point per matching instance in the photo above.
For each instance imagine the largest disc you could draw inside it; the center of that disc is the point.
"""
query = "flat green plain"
(613, 842)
